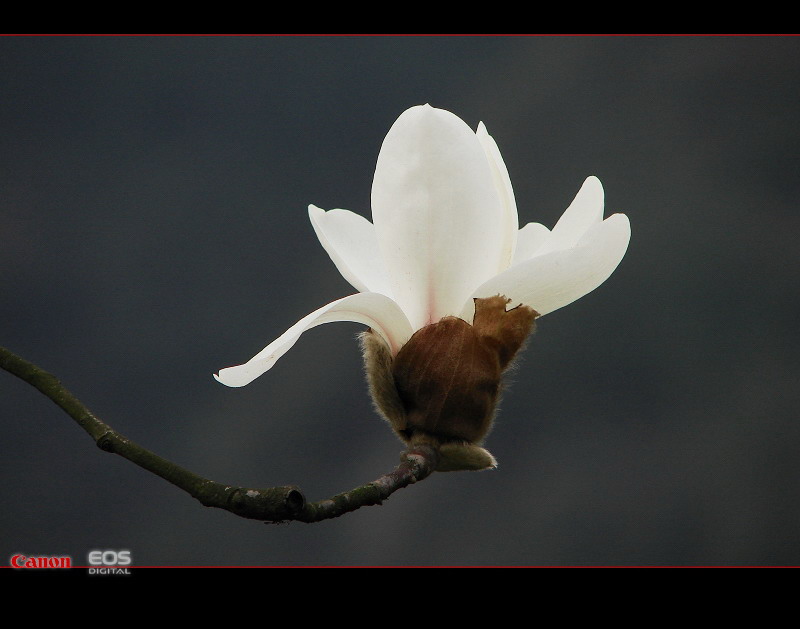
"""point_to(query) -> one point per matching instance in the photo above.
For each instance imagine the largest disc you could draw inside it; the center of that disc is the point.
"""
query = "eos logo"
(111, 560)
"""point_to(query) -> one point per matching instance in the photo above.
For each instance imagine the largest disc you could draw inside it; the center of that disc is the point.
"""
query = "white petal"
(352, 244)
(530, 240)
(585, 211)
(375, 310)
(437, 213)
(550, 281)
(502, 182)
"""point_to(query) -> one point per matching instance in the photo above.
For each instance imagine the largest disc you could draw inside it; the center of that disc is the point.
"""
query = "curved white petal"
(530, 240)
(550, 281)
(585, 211)
(351, 243)
(437, 213)
(502, 183)
(373, 309)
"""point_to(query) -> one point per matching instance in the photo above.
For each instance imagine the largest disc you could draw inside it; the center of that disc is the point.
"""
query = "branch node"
(272, 504)
(106, 441)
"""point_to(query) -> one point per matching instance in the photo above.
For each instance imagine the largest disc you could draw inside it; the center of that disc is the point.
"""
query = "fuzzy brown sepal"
(378, 366)
(443, 386)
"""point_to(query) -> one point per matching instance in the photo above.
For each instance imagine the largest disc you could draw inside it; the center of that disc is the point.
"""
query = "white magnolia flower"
(445, 231)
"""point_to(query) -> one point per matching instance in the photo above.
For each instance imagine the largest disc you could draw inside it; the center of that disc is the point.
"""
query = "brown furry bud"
(448, 381)
(443, 386)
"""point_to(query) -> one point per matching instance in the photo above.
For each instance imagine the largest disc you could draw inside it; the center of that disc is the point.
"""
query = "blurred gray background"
(153, 229)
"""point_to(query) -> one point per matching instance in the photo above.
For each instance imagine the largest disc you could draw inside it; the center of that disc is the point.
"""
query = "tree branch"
(271, 504)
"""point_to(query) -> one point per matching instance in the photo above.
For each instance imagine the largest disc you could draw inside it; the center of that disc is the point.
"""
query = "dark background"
(153, 229)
